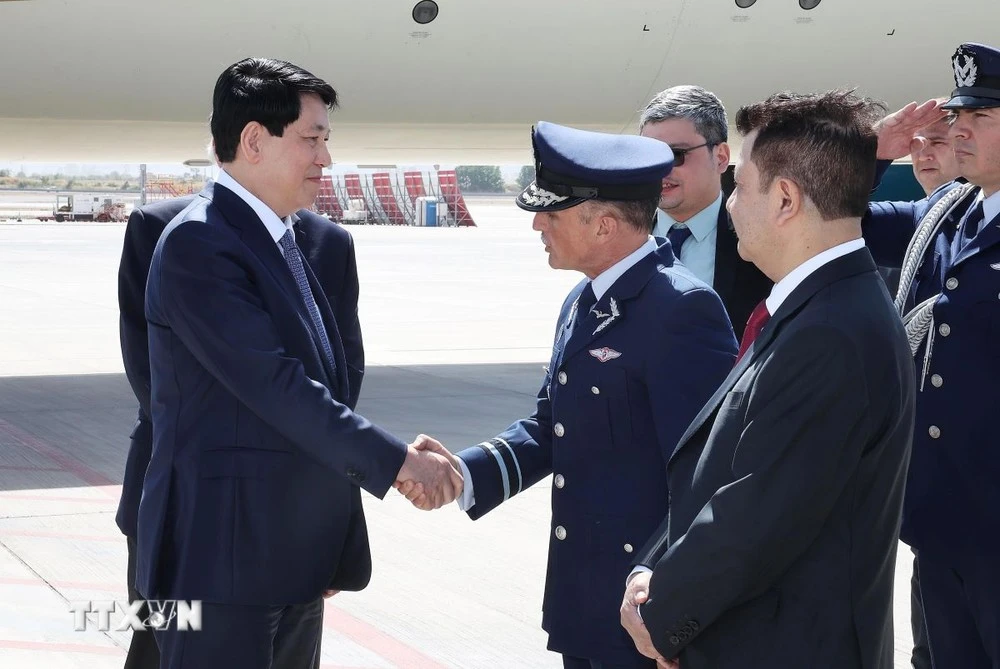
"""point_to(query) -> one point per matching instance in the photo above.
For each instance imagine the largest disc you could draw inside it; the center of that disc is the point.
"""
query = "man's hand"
(327, 594)
(430, 476)
(896, 130)
(636, 593)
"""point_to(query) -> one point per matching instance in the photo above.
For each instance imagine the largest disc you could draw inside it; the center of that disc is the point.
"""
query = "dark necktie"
(294, 259)
(584, 304)
(677, 235)
(968, 231)
(758, 319)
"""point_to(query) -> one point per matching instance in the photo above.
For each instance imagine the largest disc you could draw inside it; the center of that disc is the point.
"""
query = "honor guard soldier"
(640, 345)
(948, 246)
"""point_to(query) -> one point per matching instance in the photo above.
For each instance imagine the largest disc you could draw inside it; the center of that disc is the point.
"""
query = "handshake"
(430, 476)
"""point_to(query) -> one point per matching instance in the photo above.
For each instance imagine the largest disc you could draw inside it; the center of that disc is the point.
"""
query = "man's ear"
(721, 156)
(788, 199)
(251, 140)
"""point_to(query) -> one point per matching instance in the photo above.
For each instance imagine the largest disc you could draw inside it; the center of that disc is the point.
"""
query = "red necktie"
(758, 319)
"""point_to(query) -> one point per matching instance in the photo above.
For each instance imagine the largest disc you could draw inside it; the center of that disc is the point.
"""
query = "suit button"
(937, 381)
(951, 284)
(628, 548)
(355, 475)
(562, 378)
(595, 390)
(945, 329)
(560, 532)
(674, 640)
(559, 429)
(934, 431)
(559, 480)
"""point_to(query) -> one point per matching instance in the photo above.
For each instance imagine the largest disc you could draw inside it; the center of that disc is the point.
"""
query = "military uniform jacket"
(620, 389)
(953, 486)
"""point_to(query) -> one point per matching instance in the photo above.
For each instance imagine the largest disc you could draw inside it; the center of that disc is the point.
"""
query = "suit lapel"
(254, 234)
(851, 264)
(610, 309)
(329, 322)
(987, 237)
(726, 257)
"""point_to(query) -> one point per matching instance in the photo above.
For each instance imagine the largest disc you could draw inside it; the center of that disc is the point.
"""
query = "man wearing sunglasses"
(691, 212)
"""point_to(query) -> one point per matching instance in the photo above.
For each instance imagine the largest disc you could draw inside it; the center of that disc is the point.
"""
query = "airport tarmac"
(457, 322)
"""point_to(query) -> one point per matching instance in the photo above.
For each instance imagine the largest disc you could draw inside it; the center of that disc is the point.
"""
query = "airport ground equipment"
(88, 207)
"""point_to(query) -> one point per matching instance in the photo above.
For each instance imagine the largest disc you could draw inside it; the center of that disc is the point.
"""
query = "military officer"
(640, 345)
(950, 293)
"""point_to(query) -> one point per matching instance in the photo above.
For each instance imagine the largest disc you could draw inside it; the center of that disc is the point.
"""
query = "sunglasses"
(681, 154)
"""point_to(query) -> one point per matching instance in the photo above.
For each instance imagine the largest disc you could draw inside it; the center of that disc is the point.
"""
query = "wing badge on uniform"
(608, 320)
(604, 354)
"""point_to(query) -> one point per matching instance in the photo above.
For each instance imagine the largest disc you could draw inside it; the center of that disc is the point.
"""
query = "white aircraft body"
(131, 80)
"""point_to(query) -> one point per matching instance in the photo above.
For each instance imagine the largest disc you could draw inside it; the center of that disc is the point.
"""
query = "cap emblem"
(965, 69)
(539, 197)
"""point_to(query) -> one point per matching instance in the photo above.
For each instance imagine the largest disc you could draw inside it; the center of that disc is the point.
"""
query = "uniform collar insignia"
(608, 319)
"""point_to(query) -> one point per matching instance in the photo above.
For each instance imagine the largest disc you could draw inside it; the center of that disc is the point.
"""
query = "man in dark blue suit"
(640, 344)
(251, 501)
(786, 489)
(950, 291)
(329, 250)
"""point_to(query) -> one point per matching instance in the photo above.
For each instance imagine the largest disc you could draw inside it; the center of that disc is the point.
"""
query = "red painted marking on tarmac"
(56, 498)
(60, 535)
(68, 585)
(25, 468)
(377, 641)
(61, 647)
(68, 463)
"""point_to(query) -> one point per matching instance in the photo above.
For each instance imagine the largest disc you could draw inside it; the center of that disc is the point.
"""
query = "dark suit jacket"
(329, 250)
(779, 547)
(619, 419)
(739, 283)
(251, 495)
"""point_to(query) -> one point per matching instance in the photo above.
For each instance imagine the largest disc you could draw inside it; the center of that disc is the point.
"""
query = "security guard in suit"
(640, 345)
(950, 295)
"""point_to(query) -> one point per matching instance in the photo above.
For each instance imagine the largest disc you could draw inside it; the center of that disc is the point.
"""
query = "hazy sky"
(509, 172)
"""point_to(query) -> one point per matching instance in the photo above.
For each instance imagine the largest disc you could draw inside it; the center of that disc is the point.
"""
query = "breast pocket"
(604, 411)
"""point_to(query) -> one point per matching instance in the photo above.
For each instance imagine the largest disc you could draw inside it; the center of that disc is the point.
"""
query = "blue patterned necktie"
(678, 234)
(294, 259)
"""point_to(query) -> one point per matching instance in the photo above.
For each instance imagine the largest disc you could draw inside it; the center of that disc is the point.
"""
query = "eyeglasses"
(681, 154)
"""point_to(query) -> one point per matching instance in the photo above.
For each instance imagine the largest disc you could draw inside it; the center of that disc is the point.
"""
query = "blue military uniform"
(951, 513)
(625, 379)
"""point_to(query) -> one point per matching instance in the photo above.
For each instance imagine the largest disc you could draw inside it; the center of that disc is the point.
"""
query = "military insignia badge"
(996, 266)
(608, 319)
(604, 354)
(966, 69)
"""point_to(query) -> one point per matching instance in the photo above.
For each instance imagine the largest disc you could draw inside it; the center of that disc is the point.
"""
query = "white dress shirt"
(784, 288)
(275, 226)
(991, 206)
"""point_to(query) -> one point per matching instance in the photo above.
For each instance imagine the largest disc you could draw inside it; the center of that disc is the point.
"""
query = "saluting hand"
(895, 131)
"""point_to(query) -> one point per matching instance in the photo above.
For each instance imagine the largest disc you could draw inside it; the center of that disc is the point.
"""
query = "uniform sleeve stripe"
(517, 465)
(503, 468)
